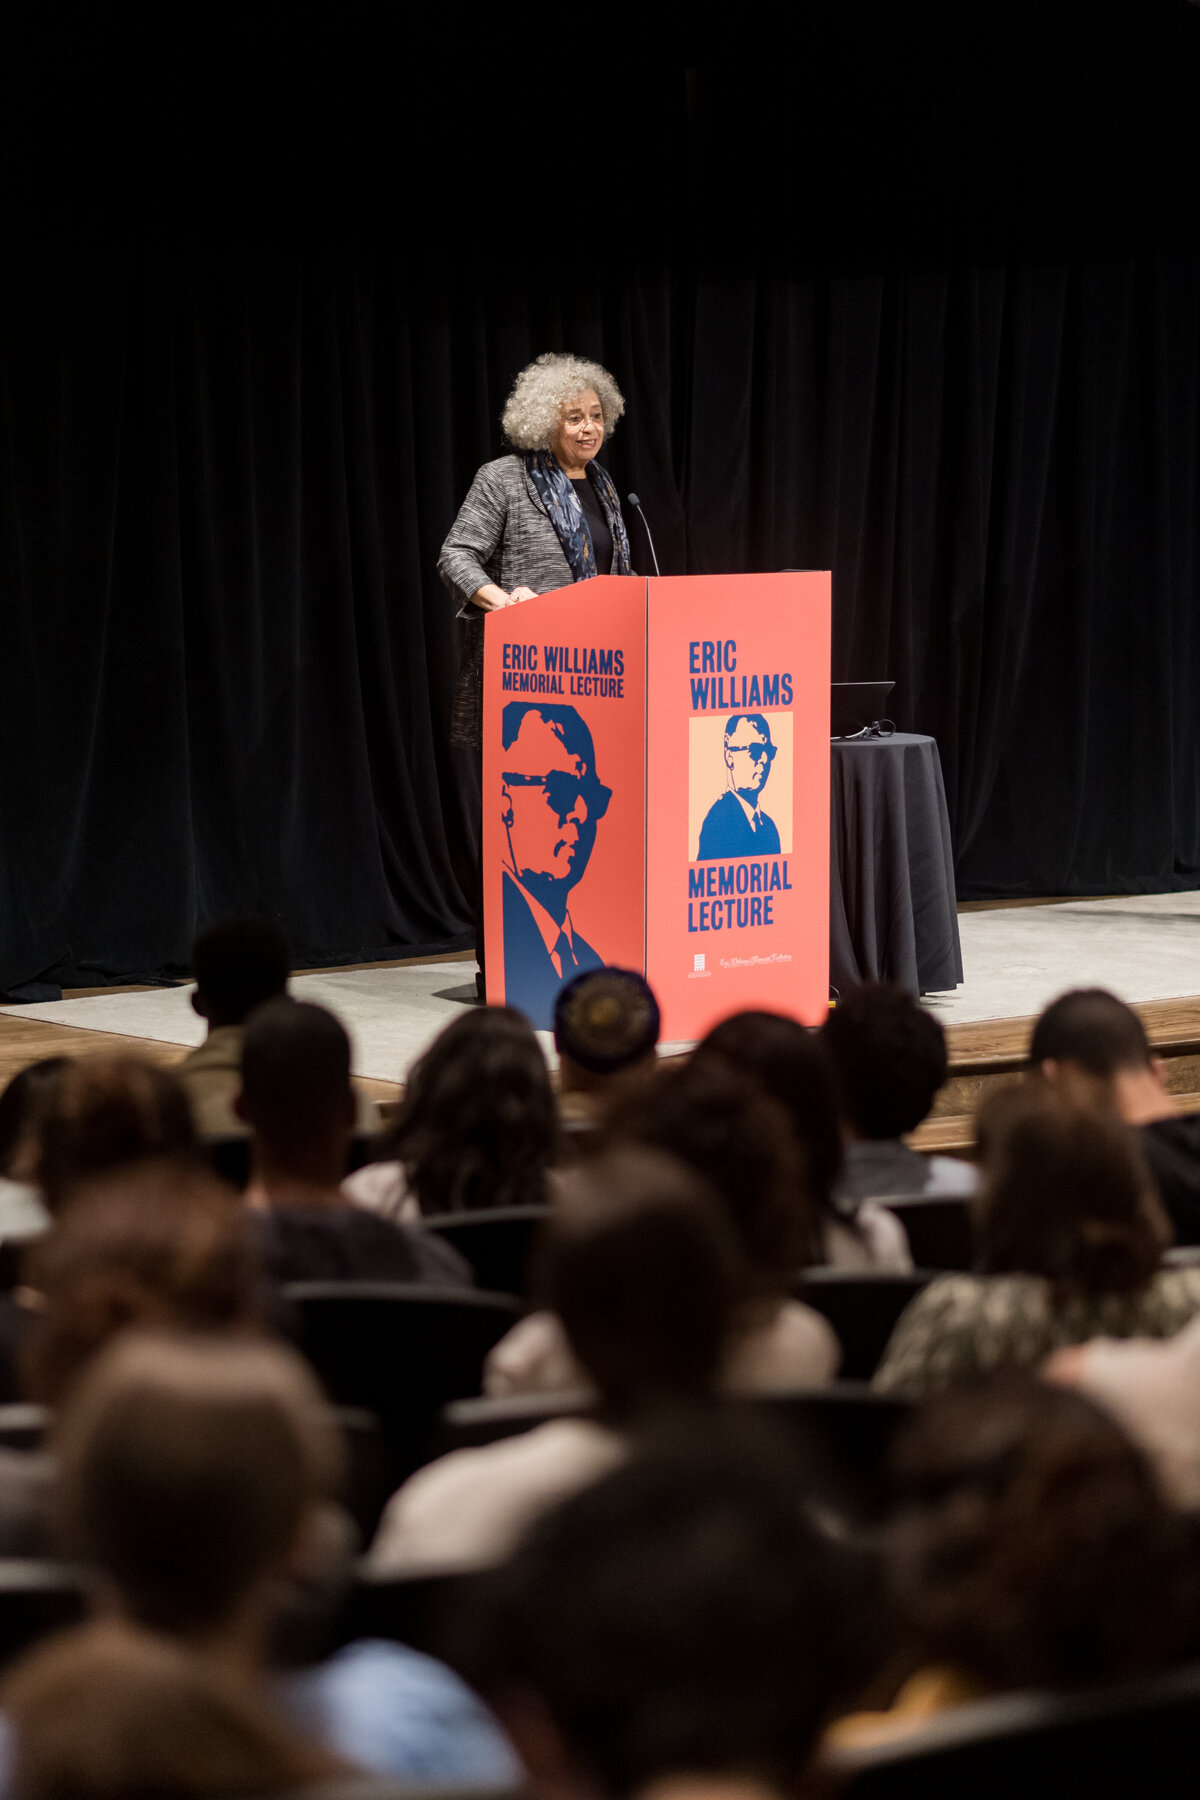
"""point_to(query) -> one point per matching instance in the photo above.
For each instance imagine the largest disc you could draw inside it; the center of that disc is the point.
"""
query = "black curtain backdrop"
(243, 390)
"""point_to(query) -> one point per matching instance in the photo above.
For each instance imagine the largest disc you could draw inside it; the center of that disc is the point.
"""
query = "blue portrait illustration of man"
(736, 825)
(551, 803)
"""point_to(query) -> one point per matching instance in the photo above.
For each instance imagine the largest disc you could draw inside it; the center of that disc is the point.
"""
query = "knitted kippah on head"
(606, 1019)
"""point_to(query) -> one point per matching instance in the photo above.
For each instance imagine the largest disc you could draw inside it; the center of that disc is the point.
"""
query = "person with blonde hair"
(540, 517)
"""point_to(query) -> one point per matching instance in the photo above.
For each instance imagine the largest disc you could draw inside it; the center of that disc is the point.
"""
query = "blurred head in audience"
(237, 965)
(296, 1095)
(889, 1059)
(109, 1711)
(681, 1617)
(736, 1139)
(645, 1273)
(606, 1024)
(1066, 1195)
(1094, 1049)
(192, 1473)
(105, 1113)
(477, 1124)
(152, 1246)
(22, 1106)
(792, 1066)
(1031, 1546)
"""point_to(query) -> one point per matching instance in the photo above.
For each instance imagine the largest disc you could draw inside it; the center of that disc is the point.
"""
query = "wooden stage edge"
(983, 1055)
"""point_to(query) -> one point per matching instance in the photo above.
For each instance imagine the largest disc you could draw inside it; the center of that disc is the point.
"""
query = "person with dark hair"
(476, 1128)
(792, 1066)
(109, 1112)
(297, 1100)
(889, 1060)
(195, 1474)
(1070, 1234)
(238, 964)
(1030, 1548)
(681, 1625)
(644, 1274)
(1092, 1046)
(737, 1140)
(107, 1710)
(22, 1105)
(606, 1026)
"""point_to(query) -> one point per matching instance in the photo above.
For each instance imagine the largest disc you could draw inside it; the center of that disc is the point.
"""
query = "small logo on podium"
(698, 961)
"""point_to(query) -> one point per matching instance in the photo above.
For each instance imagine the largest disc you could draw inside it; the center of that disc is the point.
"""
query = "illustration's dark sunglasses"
(563, 791)
(756, 751)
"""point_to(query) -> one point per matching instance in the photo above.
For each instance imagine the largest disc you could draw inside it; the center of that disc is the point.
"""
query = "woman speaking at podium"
(538, 518)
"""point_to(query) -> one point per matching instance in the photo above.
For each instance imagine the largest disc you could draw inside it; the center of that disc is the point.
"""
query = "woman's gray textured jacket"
(501, 534)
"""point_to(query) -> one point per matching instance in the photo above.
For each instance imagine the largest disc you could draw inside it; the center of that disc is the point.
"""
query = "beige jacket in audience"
(468, 1509)
(212, 1076)
(794, 1348)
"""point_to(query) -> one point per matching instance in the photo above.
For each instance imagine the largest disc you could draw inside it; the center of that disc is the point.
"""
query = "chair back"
(938, 1227)
(36, 1598)
(848, 1429)
(498, 1243)
(399, 1349)
(863, 1307)
(1138, 1737)
(467, 1424)
(23, 1426)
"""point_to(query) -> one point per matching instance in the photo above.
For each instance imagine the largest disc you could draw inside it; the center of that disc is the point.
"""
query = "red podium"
(656, 793)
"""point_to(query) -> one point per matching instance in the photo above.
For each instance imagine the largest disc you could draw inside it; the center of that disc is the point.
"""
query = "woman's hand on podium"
(491, 598)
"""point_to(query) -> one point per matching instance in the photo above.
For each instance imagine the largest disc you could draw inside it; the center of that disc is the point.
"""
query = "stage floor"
(1016, 958)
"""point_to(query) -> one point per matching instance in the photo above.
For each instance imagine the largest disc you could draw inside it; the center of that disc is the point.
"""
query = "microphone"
(636, 503)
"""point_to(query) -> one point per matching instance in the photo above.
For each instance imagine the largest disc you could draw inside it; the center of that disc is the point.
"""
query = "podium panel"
(656, 793)
(564, 789)
(737, 797)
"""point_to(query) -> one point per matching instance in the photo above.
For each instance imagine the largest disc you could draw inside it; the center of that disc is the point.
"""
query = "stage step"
(993, 1052)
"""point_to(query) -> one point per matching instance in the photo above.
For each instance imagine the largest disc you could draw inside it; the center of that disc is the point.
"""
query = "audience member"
(1094, 1048)
(193, 1477)
(108, 1712)
(644, 1274)
(237, 964)
(679, 1627)
(155, 1246)
(1070, 1233)
(1152, 1389)
(22, 1105)
(889, 1059)
(297, 1099)
(476, 1127)
(1030, 1549)
(792, 1066)
(737, 1139)
(606, 1026)
(109, 1112)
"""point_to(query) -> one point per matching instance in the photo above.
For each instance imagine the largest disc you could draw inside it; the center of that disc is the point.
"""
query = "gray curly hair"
(531, 412)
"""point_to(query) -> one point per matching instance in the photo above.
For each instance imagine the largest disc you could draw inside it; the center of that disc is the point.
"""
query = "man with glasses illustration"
(552, 802)
(736, 825)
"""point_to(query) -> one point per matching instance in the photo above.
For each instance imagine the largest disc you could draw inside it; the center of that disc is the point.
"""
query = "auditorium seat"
(23, 1426)
(862, 1307)
(400, 1350)
(36, 1598)
(1136, 1738)
(938, 1227)
(498, 1243)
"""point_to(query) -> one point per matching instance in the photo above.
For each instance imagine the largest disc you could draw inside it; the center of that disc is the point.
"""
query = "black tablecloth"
(891, 901)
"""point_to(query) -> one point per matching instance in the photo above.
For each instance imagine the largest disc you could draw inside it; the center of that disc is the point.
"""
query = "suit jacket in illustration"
(727, 832)
(531, 981)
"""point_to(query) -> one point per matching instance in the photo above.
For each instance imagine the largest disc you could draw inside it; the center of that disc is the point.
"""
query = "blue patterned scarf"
(567, 516)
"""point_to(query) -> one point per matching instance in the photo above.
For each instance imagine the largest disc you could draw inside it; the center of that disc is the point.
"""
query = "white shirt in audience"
(469, 1509)
(873, 1239)
(793, 1348)
(382, 1187)
(1152, 1388)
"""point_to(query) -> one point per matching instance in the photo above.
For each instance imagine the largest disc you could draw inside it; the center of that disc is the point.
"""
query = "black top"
(1172, 1149)
(594, 513)
(350, 1244)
